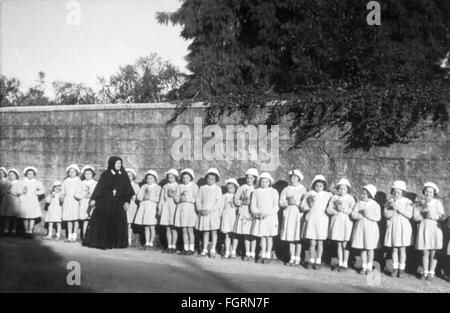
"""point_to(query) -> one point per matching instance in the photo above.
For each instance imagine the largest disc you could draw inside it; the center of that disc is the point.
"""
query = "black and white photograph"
(225, 152)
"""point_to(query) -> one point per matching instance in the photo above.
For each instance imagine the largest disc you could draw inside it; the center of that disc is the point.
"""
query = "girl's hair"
(30, 170)
(215, 177)
(320, 181)
(368, 194)
(259, 183)
(434, 191)
(83, 177)
(184, 174)
(349, 190)
(17, 176)
(58, 186)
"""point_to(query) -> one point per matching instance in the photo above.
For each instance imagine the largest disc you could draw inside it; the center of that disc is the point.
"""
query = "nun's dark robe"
(107, 228)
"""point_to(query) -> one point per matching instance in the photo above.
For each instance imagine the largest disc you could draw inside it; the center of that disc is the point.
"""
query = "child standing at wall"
(264, 208)
(398, 212)
(293, 222)
(54, 211)
(315, 204)
(208, 203)
(10, 206)
(70, 208)
(8, 212)
(185, 215)
(166, 209)
(429, 235)
(366, 234)
(244, 219)
(228, 216)
(340, 208)
(30, 208)
(148, 196)
(83, 195)
(132, 208)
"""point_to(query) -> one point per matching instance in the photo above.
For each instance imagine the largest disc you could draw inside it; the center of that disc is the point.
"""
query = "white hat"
(297, 173)
(151, 172)
(173, 172)
(30, 168)
(431, 185)
(344, 181)
(318, 178)
(253, 172)
(232, 181)
(14, 171)
(73, 166)
(56, 183)
(371, 189)
(4, 170)
(130, 170)
(266, 175)
(188, 171)
(213, 170)
(399, 184)
(87, 167)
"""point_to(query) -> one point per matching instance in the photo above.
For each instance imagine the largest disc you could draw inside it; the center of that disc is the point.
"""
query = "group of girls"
(65, 202)
(247, 212)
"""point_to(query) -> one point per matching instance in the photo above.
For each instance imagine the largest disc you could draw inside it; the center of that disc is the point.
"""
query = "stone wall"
(50, 138)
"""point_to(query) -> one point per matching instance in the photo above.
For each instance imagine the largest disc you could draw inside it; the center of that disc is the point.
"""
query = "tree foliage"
(321, 63)
(73, 93)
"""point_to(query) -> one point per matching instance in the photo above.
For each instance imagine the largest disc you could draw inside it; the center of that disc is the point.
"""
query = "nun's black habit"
(107, 227)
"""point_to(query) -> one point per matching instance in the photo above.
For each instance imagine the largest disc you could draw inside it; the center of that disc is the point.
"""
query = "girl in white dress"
(132, 208)
(366, 234)
(398, 212)
(293, 222)
(167, 208)
(148, 196)
(208, 204)
(30, 209)
(315, 204)
(244, 219)
(54, 211)
(10, 206)
(340, 208)
(264, 208)
(83, 195)
(429, 212)
(185, 215)
(70, 208)
(228, 214)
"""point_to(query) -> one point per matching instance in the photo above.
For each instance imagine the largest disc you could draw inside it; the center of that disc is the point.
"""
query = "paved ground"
(40, 266)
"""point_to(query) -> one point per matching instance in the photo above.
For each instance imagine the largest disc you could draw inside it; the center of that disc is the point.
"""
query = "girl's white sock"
(369, 266)
(364, 266)
(426, 272)
(318, 261)
(402, 266)
(341, 263)
(311, 260)
(192, 247)
(395, 266)
(292, 258)
(252, 254)
(344, 264)
(297, 259)
(186, 247)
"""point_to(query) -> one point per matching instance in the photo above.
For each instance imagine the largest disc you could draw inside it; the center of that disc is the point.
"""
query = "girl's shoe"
(251, 258)
(260, 261)
(246, 258)
(309, 266)
(401, 274)
(317, 266)
(203, 254)
(342, 269)
(423, 276)
(394, 273)
(290, 263)
(266, 261)
(48, 237)
(233, 256)
(430, 277)
(212, 255)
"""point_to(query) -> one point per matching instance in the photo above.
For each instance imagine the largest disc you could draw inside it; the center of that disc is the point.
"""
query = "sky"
(79, 40)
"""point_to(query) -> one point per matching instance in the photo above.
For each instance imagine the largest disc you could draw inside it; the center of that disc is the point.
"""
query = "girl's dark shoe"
(423, 276)
(309, 266)
(317, 266)
(342, 269)
(401, 273)
(266, 261)
(430, 277)
(394, 273)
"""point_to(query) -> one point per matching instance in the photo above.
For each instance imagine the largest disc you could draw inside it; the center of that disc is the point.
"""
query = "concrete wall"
(51, 138)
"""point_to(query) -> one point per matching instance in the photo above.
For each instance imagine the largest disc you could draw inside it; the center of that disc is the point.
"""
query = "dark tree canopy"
(322, 64)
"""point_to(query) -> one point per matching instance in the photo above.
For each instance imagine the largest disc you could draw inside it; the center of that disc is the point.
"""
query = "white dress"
(317, 220)
(340, 209)
(167, 205)
(10, 203)
(30, 190)
(54, 210)
(398, 226)
(244, 220)
(265, 201)
(366, 234)
(429, 233)
(229, 212)
(83, 195)
(185, 196)
(209, 199)
(132, 208)
(71, 206)
(148, 196)
(293, 220)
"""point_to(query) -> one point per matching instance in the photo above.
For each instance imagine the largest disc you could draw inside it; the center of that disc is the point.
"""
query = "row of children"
(250, 211)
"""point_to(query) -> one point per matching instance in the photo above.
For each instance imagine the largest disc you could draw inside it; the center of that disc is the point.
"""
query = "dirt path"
(40, 266)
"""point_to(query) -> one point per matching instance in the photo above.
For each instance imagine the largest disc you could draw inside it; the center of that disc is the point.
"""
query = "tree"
(36, 94)
(321, 63)
(73, 93)
(9, 91)
(149, 79)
